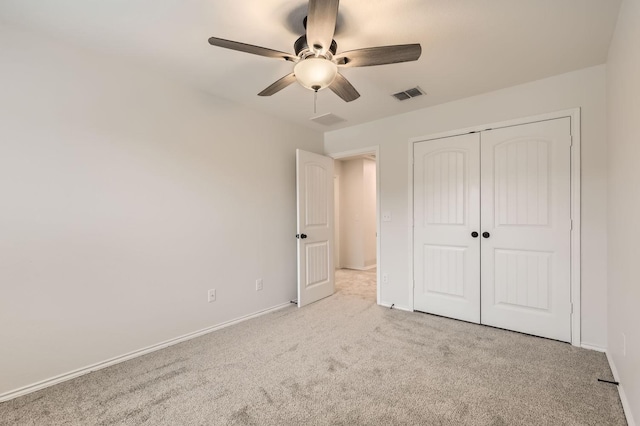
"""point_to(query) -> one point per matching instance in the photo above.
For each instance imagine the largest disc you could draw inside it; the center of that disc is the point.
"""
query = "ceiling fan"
(316, 61)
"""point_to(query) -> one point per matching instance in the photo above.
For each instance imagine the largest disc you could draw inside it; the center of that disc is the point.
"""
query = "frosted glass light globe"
(315, 73)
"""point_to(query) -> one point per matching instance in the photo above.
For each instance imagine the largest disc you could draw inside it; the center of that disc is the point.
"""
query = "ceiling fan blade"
(278, 85)
(250, 48)
(344, 89)
(321, 24)
(379, 55)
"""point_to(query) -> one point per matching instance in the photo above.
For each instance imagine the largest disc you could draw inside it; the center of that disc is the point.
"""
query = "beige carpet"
(342, 361)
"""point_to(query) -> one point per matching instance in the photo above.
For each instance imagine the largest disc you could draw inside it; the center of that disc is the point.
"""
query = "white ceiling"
(468, 46)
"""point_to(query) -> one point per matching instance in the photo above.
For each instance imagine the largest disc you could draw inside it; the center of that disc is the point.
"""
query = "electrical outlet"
(259, 284)
(211, 295)
(385, 279)
(624, 344)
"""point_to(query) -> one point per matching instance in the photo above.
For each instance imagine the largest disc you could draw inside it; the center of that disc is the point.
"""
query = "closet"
(492, 227)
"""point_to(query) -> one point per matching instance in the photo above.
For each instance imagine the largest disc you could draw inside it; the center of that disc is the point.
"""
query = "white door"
(314, 185)
(446, 213)
(526, 226)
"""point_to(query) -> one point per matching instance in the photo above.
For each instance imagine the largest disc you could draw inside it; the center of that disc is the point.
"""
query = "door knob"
(301, 236)
(486, 234)
(474, 234)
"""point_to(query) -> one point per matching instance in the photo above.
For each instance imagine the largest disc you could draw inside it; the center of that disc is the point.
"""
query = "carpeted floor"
(342, 361)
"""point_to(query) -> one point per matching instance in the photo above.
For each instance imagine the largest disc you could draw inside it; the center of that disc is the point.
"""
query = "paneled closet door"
(446, 213)
(526, 225)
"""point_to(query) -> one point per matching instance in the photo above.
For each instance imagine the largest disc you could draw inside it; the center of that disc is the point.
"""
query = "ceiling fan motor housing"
(301, 47)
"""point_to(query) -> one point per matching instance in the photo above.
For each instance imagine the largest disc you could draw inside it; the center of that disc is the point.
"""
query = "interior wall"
(337, 170)
(584, 88)
(623, 84)
(351, 224)
(125, 197)
(357, 213)
(369, 211)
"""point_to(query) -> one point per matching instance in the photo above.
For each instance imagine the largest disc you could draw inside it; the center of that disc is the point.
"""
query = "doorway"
(356, 213)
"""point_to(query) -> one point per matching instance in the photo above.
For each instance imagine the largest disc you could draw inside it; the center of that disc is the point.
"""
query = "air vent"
(408, 94)
(327, 119)
(402, 96)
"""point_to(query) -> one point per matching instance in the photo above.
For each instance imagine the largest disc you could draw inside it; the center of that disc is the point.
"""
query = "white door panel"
(446, 212)
(512, 185)
(526, 210)
(314, 187)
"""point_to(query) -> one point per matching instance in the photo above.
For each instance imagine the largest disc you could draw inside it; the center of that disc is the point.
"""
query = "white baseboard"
(593, 347)
(623, 397)
(360, 268)
(400, 308)
(116, 360)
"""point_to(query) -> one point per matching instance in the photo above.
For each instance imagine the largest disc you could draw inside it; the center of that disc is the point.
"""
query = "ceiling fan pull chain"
(315, 101)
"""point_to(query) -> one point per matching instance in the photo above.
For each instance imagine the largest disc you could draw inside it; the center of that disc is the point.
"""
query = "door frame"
(574, 115)
(354, 153)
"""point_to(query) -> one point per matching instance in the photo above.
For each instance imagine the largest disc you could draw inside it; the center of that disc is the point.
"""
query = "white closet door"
(525, 208)
(446, 212)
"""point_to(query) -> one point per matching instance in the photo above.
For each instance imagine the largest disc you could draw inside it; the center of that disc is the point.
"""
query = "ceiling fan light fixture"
(315, 73)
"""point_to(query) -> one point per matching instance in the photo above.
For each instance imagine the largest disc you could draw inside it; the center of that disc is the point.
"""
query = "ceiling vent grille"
(408, 94)
(327, 119)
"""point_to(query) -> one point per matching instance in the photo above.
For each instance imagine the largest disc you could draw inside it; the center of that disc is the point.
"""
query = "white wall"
(351, 242)
(337, 171)
(369, 211)
(623, 84)
(357, 213)
(125, 196)
(584, 88)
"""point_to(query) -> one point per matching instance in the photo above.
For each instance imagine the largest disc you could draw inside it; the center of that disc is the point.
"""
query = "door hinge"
(571, 304)
(570, 224)
(570, 140)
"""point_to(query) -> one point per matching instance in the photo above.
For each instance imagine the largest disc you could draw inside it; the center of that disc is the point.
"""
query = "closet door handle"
(474, 234)
(486, 234)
